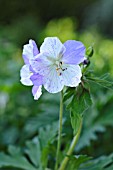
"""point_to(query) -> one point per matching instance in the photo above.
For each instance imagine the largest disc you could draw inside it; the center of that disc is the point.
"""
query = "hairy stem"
(59, 131)
(71, 149)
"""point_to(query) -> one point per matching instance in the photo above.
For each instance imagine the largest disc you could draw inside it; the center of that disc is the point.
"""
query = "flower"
(30, 51)
(56, 66)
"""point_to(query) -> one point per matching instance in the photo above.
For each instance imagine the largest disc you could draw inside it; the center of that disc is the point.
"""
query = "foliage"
(76, 161)
(103, 163)
(35, 154)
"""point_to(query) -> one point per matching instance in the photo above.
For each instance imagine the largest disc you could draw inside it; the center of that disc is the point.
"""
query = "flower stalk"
(71, 149)
(59, 131)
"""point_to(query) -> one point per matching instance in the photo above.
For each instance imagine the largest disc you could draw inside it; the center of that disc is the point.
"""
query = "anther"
(64, 69)
(57, 69)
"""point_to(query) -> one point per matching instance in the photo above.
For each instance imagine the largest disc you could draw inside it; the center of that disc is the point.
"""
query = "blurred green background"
(90, 21)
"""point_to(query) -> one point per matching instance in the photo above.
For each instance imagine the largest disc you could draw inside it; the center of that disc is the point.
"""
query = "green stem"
(59, 131)
(72, 146)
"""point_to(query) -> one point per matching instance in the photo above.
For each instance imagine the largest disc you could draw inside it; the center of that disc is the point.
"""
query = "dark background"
(26, 19)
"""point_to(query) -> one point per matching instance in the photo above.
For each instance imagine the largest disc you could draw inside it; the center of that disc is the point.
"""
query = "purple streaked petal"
(72, 75)
(37, 92)
(75, 52)
(31, 69)
(25, 75)
(30, 51)
(41, 64)
(53, 83)
(26, 60)
(53, 47)
(37, 79)
(35, 49)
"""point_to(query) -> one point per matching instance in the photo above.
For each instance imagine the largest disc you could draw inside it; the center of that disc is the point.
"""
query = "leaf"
(41, 120)
(88, 135)
(34, 152)
(13, 151)
(96, 120)
(80, 102)
(101, 81)
(75, 121)
(76, 161)
(37, 151)
(101, 163)
(47, 134)
(15, 160)
(46, 137)
(68, 94)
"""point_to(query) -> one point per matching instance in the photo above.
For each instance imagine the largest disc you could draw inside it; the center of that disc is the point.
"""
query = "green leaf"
(47, 134)
(80, 101)
(75, 121)
(34, 152)
(76, 161)
(101, 163)
(101, 81)
(96, 120)
(46, 137)
(88, 135)
(37, 151)
(42, 120)
(13, 151)
(68, 94)
(16, 160)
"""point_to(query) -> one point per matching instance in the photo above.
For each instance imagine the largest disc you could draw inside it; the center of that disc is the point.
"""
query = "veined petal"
(75, 52)
(37, 92)
(37, 79)
(41, 64)
(30, 51)
(72, 75)
(25, 75)
(53, 83)
(53, 47)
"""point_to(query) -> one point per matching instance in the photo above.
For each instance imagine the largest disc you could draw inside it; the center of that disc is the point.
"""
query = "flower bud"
(86, 62)
(89, 51)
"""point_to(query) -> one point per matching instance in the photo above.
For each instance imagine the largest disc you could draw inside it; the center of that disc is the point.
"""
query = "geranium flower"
(30, 51)
(57, 64)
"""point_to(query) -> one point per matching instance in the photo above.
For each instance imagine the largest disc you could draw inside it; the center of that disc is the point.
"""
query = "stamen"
(64, 69)
(57, 69)
(60, 74)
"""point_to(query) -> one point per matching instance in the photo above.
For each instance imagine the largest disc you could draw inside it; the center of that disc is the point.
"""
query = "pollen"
(57, 69)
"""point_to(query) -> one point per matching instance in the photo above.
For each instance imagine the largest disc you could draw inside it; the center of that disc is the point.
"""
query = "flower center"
(60, 67)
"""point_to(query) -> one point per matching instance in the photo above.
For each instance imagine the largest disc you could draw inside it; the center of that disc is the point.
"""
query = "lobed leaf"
(17, 161)
(101, 163)
(76, 161)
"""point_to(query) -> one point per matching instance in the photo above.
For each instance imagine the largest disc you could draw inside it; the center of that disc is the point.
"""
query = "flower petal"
(37, 92)
(75, 52)
(37, 79)
(53, 83)
(41, 64)
(29, 51)
(72, 75)
(52, 47)
(25, 75)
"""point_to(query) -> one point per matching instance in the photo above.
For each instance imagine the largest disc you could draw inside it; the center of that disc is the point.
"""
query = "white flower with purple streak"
(56, 66)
